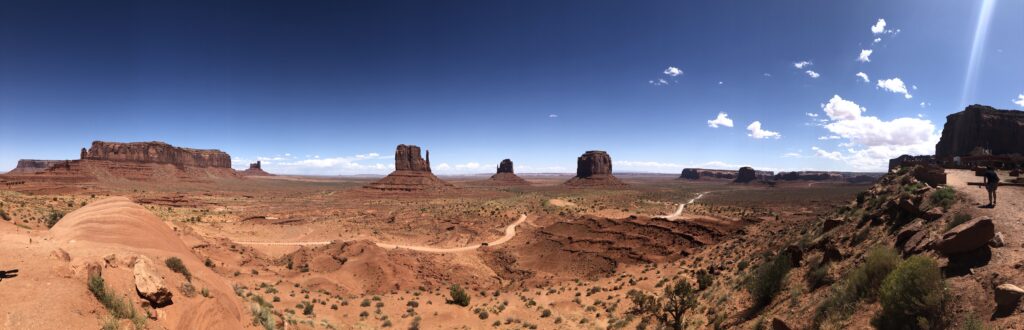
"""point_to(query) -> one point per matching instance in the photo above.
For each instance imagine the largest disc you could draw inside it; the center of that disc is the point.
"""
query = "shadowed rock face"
(698, 173)
(1001, 131)
(407, 158)
(505, 166)
(746, 174)
(157, 152)
(593, 163)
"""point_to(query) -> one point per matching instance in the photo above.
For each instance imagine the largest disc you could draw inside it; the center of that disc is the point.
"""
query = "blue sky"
(330, 87)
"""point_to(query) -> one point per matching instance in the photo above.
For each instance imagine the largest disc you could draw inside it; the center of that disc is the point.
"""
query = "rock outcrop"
(29, 166)
(745, 174)
(506, 175)
(149, 284)
(700, 173)
(967, 237)
(808, 176)
(999, 131)
(412, 172)
(594, 168)
(256, 169)
(157, 152)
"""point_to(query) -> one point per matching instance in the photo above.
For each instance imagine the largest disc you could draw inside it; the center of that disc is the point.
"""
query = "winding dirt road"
(679, 210)
(510, 232)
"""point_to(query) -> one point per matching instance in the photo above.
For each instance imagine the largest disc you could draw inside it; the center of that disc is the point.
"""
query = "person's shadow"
(8, 274)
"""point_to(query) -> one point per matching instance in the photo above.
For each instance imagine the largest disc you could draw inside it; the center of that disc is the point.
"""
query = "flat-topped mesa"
(746, 174)
(809, 176)
(157, 152)
(506, 175)
(594, 168)
(700, 173)
(412, 173)
(29, 166)
(407, 158)
(999, 131)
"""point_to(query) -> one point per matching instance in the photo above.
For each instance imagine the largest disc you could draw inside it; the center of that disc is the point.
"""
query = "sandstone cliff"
(29, 166)
(157, 152)
(999, 131)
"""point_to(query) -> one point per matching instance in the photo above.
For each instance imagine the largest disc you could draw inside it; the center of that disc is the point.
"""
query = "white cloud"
(871, 142)
(721, 120)
(1019, 101)
(802, 64)
(840, 109)
(673, 71)
(863, 76)
(720, 82)
(879, 27)
(658, 82)
(646, 165)
(812, 74)
(552, 116)
(812, 115)
(758, 133)
(877, 40)
(767, 74)
(925, 104)
(792, 155)
(865, 55)
(895, 85)
(830, 137)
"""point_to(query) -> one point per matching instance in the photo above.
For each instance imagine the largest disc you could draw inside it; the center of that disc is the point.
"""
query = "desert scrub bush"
(768, 278)
(118, 307)
(943, 197)
(817, 275)
(957, 220)
(669, 309)
(704, 280)
(3, 215)
(860, 283)
(458, 296)
(262, 314)
(53, 217)
(175, 264)
(912, 296)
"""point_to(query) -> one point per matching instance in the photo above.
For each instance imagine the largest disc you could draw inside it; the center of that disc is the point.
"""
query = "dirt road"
(510, 232)
(679, 210)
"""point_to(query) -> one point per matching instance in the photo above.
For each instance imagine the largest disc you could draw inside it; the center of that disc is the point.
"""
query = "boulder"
(932, 214)
(933, 175)
(998, 240)
(919, 242)
(909, 231)
(1000, 131)
(779, 324)
(831, 223)
(746, 174)
(967, 237)
(157, 152)
(1007, 297)
(795, 254)
(149, 284)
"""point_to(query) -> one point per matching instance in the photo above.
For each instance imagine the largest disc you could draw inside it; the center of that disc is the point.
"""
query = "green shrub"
(944, 197)
(177, 266)
(459, 296)
(912, 296)
(817, 275)
(53, 217)
(704, 280)
(767, 279)
(118, 307)
(957, 220)
(860, 283)
(3, 215)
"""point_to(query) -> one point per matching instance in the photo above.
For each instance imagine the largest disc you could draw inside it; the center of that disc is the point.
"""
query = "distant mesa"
(143, 161)
(709, 174)
(745, 174)
(594, 168)
(809, 176)
(412, 173)
(999, 132)
(506, 176)
(29, 166)
(255, 169)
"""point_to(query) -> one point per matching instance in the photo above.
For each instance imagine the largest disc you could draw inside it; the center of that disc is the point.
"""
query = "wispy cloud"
(865, 55)
(758, 133)
(802, 64)
(812, 74)
(863, 76)
(1019, 101)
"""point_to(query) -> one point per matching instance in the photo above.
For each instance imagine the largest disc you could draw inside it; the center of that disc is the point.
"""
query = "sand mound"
(114, 232)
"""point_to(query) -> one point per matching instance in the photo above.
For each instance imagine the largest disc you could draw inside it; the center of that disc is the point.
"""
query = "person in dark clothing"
(991, 184)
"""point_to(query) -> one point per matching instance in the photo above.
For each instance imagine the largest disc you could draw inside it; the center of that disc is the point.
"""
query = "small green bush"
(957, 220)
(817, 275)
(177, 266)
(912, 296)
(3, 215)
(118, 307)
(768, 278)
(704, 280)
(53, 217)
(459, 296)
(860, 283)
(943, 197)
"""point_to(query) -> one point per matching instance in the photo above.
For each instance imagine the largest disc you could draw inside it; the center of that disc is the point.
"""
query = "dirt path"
(510, 232)
(1008, 215)
(679, 210)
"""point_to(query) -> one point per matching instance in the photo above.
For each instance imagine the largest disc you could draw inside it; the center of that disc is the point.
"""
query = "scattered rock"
(907, 205)
(967, 236)
(61, 255)
(908, 231)
(1008, 297)
(149, 284)
(779, 324)
(997, 240)
(94, 269)
(919, 242)
(111, 260)
(831, 223)
(795, 254)
(933, 214)
(188, 290)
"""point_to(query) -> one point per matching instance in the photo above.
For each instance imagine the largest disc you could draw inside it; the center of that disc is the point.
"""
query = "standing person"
(991, 184)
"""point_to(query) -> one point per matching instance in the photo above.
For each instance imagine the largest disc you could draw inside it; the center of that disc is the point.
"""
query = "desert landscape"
(511, 165)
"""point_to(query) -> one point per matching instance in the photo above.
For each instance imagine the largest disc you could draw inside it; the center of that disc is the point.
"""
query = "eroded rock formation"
(999, 131)
(746, 174)
(700, 173)
(594, 168)
(506, 175)
(808, 176)
(29, 166)
(157, 152)
(412, 172)
(256, 169)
